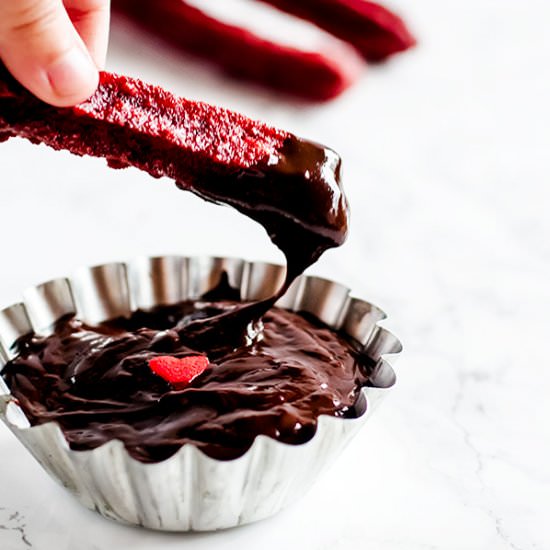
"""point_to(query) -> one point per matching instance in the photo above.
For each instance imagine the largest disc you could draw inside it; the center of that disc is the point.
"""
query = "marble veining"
(14, 523)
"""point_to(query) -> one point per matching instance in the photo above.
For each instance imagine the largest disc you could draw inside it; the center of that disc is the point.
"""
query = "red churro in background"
(313, 75)
(373, 29)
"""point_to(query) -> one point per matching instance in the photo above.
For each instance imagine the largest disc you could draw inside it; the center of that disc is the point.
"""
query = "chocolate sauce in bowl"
(96, 383)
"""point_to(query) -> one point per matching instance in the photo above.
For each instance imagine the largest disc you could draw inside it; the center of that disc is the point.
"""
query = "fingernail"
(73, 74)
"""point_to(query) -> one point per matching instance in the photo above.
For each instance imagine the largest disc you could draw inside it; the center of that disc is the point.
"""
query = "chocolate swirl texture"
(96, 383)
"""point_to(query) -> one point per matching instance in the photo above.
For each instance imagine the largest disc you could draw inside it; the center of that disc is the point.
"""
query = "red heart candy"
(180, 371)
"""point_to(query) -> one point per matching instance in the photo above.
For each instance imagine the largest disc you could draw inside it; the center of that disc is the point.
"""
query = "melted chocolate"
(96, 383)
(273, 372)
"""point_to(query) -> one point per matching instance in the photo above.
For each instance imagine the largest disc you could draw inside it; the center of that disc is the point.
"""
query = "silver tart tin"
(190, 491)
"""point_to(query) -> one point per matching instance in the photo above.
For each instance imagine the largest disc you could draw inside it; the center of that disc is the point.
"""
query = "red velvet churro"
(373, 29)
(289, 185)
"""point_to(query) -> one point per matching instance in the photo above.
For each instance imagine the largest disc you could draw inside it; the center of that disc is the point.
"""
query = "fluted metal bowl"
(190, 491)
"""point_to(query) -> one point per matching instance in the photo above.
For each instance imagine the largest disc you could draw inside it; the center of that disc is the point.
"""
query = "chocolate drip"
(297, 197)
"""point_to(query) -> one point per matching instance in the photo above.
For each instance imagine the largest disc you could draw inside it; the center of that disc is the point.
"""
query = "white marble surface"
(446, 153)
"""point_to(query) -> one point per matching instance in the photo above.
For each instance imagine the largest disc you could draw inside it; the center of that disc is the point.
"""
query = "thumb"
(41, 48)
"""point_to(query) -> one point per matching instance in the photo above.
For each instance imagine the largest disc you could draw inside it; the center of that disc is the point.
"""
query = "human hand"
(55, 47)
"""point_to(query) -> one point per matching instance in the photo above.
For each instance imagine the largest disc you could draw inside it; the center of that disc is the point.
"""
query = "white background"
(446, 154)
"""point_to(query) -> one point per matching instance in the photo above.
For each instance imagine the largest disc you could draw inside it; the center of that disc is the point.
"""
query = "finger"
(91, 19)
(41, 48)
